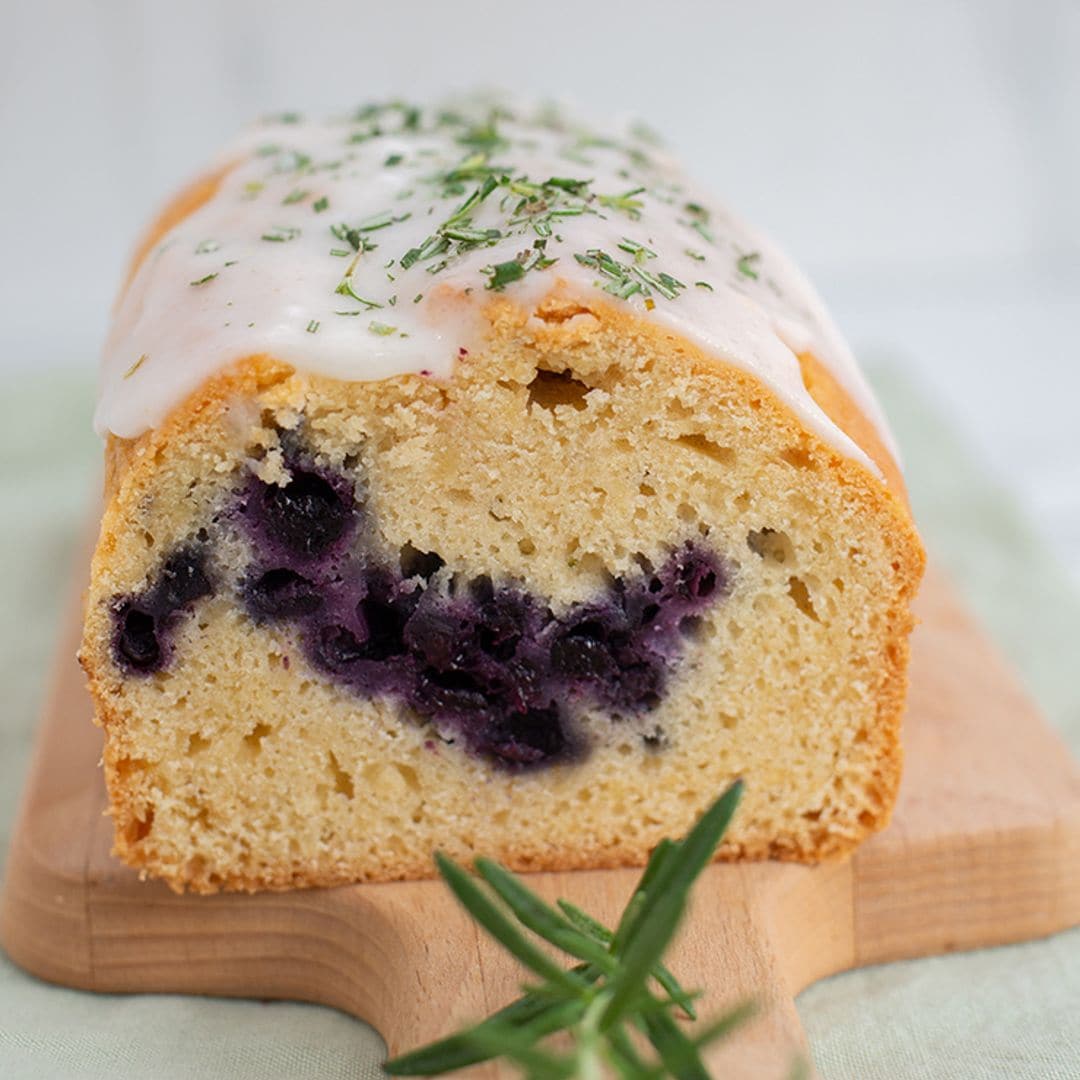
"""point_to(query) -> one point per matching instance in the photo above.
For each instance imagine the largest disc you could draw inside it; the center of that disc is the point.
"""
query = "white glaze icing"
(259, 267)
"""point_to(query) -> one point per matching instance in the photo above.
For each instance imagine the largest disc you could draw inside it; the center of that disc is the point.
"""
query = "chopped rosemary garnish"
(204, 280)
(313, 326)
(135, 367)
(382, 329)
(624, 281)
(464, 176)
(639, 251)
(747, 264)
(625, 202)
(345, 288)
(380, 221)
(501, 274)
(279, 234)
(205, 247)
(350, 236)
(574, 187)
(619, 988)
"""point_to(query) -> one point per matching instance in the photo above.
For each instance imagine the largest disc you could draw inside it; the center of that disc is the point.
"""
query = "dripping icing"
(366, 247)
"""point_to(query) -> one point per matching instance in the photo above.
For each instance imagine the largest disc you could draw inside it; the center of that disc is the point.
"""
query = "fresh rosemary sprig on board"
(617, 998)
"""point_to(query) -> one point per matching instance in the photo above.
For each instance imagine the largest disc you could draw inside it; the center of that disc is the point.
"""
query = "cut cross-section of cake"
(475, 483)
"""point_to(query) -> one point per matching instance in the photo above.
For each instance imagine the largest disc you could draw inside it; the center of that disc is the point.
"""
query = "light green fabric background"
(1012, 1012)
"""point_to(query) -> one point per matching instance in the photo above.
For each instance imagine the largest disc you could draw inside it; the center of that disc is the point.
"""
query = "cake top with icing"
(334, 245)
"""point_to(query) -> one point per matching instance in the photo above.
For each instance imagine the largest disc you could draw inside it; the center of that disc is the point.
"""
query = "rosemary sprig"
(618, 988)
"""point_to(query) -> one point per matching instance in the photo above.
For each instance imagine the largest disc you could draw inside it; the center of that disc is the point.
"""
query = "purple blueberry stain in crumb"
(143, 622)
(488, 663)
(310, 516)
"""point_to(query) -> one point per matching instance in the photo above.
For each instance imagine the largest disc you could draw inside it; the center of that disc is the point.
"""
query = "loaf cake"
(475, 482)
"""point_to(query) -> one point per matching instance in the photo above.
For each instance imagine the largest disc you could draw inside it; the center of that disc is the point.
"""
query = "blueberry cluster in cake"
(486, 661)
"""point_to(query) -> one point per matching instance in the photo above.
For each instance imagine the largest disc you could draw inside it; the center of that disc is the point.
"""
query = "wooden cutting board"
(984, 849)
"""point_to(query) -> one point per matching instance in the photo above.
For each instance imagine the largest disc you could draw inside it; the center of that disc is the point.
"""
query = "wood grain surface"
(984, 849)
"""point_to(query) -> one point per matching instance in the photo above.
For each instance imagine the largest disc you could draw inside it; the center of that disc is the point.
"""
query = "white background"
(920, 159)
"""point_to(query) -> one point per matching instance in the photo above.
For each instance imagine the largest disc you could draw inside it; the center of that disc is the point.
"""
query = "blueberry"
(385, 622)
(143, 621)
(449, 691)
(432, 633)
(639, 686)
(695, 576)
(183, 581)
(482, 589)
(527, 738)
(283, 594)
(306, 515)
(503, 622)
(337, 647)
(582, 656)
(137, 641)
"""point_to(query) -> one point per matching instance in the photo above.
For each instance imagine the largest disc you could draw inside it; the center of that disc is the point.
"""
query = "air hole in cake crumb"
(591, 563)
(526, 546)
(343, 783)
(253, 739)
(798, 457)
(646, 489)
(812, 815)
(127, 766)
(550, 389)
(408, 774)
(139, 829)
(867, 819)
(196, 744)
(724, 455)
(742, 501)
(417, 563)
(861, 736)
(557, 312)
(727, 721)
(774, 547)
(800, 594)
(686, 513)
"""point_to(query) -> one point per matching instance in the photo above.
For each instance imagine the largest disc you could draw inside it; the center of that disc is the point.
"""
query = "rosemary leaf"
(587, 924)
(500, 927)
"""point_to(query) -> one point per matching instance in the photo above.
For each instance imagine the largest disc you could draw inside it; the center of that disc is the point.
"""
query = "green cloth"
(1000, 1012)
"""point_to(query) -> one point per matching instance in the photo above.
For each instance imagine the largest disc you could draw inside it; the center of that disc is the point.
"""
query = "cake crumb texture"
(574, 455)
